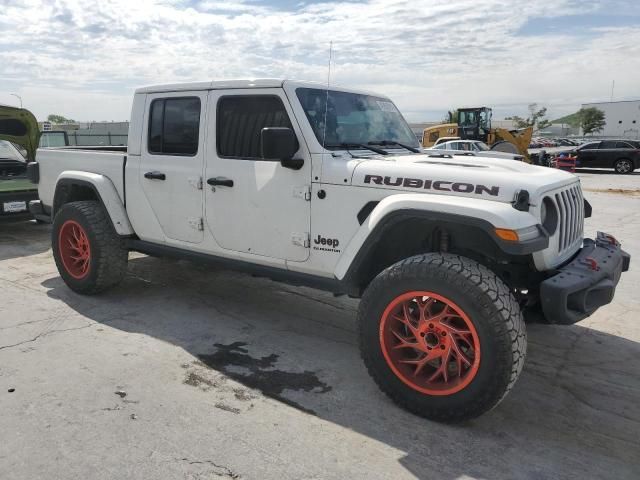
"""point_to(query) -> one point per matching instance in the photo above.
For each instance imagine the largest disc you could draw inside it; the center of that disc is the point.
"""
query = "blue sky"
(83, 59)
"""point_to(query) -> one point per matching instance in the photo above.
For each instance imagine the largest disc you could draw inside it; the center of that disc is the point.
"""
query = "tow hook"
(591, 263)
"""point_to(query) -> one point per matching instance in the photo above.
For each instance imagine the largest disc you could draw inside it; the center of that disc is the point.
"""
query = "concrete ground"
(190, 372)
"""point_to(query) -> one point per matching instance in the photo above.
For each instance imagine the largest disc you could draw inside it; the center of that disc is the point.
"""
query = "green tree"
(592, 120)
(59, 119)
(535, 119)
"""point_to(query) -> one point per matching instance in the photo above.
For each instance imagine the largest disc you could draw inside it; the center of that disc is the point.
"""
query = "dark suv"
(621, 155)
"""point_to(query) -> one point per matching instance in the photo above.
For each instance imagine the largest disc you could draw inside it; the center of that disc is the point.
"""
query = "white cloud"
(83, 59)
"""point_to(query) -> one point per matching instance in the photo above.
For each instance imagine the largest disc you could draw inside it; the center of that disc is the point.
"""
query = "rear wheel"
(442, 336)
(623, 166)
(89, 254)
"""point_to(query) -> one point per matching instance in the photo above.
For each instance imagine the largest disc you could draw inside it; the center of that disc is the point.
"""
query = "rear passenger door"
(171, 163)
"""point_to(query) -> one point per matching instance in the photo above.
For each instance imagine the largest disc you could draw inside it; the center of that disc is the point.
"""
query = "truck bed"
(108, 161)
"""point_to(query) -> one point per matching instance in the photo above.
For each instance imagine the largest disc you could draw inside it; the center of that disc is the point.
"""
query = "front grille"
(570, 204)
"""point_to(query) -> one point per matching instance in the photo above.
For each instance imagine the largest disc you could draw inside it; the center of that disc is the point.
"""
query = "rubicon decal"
(326, 244)
(442, 185)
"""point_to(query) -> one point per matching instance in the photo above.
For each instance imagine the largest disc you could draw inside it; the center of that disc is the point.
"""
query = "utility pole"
(18, 97)
(613, 84)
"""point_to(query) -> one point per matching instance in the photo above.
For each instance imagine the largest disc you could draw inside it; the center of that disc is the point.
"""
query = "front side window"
(174, 126)
(241, 120)
(354, 119)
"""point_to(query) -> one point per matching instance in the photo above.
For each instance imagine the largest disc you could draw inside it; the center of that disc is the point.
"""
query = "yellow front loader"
(475, 124)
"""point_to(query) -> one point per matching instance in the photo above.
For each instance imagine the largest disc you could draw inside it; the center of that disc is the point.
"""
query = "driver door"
(255, 206)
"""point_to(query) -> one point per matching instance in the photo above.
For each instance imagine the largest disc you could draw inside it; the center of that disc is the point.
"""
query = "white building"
(623, 118)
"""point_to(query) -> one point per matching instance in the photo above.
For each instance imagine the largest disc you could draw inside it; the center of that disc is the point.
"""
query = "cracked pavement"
(223, 375)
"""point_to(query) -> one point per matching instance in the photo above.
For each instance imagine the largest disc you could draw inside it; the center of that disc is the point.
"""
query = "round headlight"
(549, 215)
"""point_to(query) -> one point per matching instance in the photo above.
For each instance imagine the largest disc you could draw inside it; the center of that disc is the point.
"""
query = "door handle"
(155, 176)
(220, 181)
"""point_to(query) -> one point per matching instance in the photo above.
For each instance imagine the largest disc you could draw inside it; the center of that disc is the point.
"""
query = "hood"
(19, 126)
(483, 153)
(479, 177)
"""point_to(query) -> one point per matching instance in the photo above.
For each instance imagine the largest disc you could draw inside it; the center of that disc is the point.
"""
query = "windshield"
(354, 119)
(8, 151)
(481, 146)
(469, 118)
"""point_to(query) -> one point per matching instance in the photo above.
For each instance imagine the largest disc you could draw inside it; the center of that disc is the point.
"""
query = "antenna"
(326, 101)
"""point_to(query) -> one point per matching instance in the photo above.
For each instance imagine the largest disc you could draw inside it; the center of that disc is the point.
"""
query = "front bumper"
(586, 283)
(16, 203)
(40, 211)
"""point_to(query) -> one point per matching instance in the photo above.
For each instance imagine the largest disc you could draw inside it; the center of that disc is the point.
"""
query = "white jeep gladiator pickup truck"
(328, 188)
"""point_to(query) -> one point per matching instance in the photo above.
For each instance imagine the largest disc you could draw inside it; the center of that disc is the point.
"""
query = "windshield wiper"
(384, 143)
(347, 146)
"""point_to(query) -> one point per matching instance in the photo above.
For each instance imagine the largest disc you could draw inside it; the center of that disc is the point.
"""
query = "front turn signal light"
(506, 234)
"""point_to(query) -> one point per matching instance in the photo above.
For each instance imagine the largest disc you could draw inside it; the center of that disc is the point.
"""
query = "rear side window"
(240, 121)
(623, 145)
(174, 126)
(608, 144)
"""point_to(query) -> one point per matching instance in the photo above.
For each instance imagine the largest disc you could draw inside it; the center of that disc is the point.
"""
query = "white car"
(476, 147)
(329, 189)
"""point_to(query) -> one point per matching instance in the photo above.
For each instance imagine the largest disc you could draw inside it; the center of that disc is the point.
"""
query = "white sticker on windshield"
(387, 106)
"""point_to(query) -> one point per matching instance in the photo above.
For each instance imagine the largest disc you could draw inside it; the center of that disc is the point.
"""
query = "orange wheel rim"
(429, 343)
(74, 248)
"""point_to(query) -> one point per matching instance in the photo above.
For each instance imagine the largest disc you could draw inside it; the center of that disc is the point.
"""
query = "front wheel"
(89, 254)
(623, 166)
(442, 336)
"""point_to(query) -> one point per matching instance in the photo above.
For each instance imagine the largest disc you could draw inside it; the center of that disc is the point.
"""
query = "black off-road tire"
(107, 263)
(489, 305)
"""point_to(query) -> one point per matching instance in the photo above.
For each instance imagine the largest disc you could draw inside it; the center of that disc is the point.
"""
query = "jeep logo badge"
(326, 244)
(331, 242)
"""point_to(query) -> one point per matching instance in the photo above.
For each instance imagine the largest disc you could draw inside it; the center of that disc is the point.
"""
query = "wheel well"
(624, 158)
(412, 236)
(73, 191)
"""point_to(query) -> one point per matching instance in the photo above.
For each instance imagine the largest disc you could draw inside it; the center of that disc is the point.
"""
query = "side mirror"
(278, 143)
